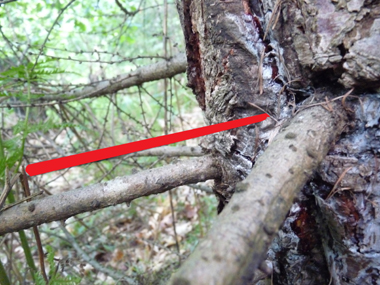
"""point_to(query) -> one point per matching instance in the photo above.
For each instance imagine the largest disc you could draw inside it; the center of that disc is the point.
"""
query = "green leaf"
(80, 26)
(39, 7)
(12, 151)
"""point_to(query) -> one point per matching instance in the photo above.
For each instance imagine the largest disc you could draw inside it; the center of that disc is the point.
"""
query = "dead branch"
(239, 238)
(101, 195)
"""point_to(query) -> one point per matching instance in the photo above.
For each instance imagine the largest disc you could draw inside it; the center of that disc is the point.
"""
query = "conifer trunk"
(280, 57)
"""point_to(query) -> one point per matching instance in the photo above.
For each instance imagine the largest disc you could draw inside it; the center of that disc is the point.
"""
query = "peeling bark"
(280, 57)
(336, 237)
(194, 69)
(235, 66)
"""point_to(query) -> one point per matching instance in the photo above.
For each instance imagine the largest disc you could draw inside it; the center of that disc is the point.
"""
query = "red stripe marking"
(100, 154)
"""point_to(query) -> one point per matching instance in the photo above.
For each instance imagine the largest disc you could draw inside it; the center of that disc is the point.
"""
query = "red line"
(100, 154)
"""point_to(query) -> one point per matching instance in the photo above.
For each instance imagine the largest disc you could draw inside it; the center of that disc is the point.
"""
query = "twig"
(324, 103)
(21, 201)
(328, 105)
(276, 13)
(49, 32)
(344, 100)
(126, 12)
(261, 109)
(156, 71)
(335, 190)
(261, 71)
(25, 184)
(8, 187)
(174, 226)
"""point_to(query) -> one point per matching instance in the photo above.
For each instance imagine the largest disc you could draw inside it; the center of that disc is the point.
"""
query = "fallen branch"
(239, 238)
(101, 195)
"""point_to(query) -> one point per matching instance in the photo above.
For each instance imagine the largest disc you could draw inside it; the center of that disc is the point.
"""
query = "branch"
(101, 195)
(239, 238)
(7, 1)
(125, 11)
(156, 71)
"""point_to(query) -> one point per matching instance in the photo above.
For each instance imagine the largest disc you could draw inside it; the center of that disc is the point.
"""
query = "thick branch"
(101, 195)
(241, 235)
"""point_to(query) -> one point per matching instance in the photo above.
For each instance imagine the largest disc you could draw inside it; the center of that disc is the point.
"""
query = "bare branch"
(101, 195)
(49, 32)
(7, 1)
(156, 71)
(125, 11)
(239, 239)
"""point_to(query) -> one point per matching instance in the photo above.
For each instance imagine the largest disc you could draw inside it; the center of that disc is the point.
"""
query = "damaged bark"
(241, 76)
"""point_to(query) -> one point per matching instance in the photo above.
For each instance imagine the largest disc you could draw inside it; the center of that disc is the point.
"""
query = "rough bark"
(227, 70)
(324, 41)
(101, 195)
(335, 239)
(281, 56)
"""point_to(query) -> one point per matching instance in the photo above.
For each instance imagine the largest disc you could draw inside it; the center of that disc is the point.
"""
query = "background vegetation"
(52, 48)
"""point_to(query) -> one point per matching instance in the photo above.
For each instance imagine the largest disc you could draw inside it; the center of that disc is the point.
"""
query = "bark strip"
(240, 237)
(101, 195)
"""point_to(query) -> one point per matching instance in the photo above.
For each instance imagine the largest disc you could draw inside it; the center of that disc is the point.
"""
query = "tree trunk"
(248, 57)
